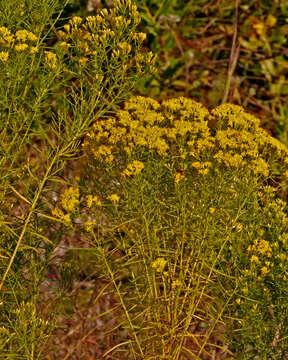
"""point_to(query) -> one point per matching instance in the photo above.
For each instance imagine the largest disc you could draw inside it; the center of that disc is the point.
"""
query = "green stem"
(34, 203)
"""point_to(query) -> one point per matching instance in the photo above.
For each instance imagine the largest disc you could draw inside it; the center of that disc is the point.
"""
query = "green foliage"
(54, 83)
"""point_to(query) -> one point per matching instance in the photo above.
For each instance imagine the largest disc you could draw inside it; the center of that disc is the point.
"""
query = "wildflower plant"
(203, 234)
(55, 81)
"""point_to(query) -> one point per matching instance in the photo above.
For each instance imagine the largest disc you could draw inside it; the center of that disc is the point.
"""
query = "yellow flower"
(34, 50)
(178, 177)
(64, 45)
(23, 35)
(89, 226)
(4, 56)
(50, 59)
(58, 213)
(70, 199)
(7, 37)
(139, 37)
(212, 210)
(261, 246)
(4, 31)
(134, 168)
(176, 283)
(159, 264)
(21, 47)
(83, 60)
(76, 20)
(67, 27)
(104, 12)
(255, 259)
(61, 34)
(260, 28)
(93, 199)
(125, 48)
(264, 270)
(114, 198)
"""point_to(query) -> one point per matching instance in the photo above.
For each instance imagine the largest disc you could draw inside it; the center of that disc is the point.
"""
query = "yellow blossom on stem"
(23, 35)
(159, 264)
(76, 20)
(114, 198)
(254, 259)
(93, 200)
(21, 47)
(178, 177)
(83, 60)
(89, 226)
(70, 199)
(50, 59)
(134, 168)
(176, 283)
(264, 270)
(34, 50)
(58, 213)
(64, 45)
(4, 56)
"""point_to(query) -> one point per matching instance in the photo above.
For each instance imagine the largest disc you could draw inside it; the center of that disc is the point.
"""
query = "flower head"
(159, 264)
(70, 199)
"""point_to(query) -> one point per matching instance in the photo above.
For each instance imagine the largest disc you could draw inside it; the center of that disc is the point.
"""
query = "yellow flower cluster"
(203, 168)
(140, 125)
(6, 37)
(125, 48)
(261, 250)
(93, 200)
(89, 226)
(21, 47)
(242, 143)
(4, 56)
(179, 177)
(261, 247)
(58, 213)
(70, 199)
(134, 168)
(159, 264)
(176, 283)
(50, 59)
(114, 198)
(24, 35)
(17, 42)
(91, 36)
(238, 142)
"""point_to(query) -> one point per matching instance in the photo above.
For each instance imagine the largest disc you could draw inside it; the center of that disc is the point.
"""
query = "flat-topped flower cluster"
(237, 142)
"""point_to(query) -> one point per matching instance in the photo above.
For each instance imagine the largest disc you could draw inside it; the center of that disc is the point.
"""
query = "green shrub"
(54, 83)
(202, 248)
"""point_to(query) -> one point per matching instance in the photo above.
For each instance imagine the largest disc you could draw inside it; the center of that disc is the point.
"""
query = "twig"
(233, 55)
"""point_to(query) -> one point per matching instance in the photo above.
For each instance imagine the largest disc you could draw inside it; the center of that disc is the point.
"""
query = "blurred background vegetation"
(193, 40)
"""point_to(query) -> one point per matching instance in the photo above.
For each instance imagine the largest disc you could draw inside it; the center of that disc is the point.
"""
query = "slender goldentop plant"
(201, 252)
(54, 83)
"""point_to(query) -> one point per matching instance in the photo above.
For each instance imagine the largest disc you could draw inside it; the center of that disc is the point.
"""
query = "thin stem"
(34, 203)
(122, 302)
(233, 55)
